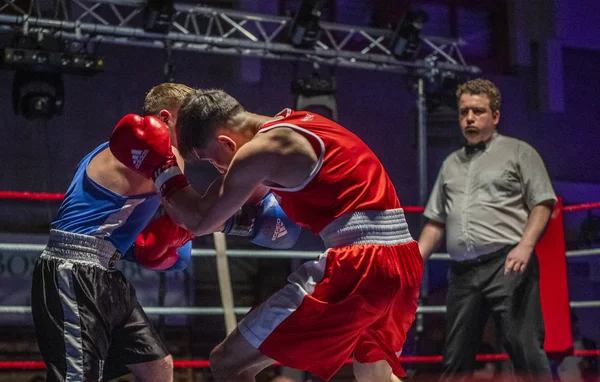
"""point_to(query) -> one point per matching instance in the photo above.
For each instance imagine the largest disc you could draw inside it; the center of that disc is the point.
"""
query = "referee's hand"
(517, 259)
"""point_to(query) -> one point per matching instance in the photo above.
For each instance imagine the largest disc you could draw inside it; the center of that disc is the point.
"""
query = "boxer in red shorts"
(359, 298)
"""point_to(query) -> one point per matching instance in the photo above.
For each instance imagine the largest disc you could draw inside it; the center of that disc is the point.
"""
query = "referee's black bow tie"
(472, 149)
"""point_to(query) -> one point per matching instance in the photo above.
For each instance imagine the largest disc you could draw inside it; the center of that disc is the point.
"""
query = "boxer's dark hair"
(202, 112)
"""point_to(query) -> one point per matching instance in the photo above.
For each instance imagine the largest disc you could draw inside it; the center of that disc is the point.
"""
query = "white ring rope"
(154, 310)
(215, 310)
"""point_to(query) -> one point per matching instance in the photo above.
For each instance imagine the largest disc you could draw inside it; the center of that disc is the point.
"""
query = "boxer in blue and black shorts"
(89, 324)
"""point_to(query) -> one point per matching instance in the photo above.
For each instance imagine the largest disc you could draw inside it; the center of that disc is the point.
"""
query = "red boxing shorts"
(358, 298)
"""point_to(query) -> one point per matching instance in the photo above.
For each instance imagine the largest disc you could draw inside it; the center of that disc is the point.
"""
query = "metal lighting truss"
(211, 30)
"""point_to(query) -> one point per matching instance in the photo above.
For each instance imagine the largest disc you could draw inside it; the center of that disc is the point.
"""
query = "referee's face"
(477, 121)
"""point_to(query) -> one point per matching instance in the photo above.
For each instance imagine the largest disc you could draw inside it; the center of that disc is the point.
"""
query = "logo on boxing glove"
(280, 230)
(138, 156)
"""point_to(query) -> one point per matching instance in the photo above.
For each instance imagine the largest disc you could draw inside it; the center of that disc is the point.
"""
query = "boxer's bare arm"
(201, 203)
(191, 205)
(107, 171)
(280, 157)
(213, 190)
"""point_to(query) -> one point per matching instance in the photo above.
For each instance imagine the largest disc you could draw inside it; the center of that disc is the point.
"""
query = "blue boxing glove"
(185, 255)
(265, 224)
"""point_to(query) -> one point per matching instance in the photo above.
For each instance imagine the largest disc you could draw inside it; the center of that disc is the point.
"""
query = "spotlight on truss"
(37, 95)
(47, 54)
(406, 38)
(158, 16)
(39, 61)
(314, 92)
(305, 29)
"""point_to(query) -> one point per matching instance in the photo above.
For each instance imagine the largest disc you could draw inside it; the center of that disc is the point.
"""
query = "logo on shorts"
(307, 117)
(137, 156)
(280, 230)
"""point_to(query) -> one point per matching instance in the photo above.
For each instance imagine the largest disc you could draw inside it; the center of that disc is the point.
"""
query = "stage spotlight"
(314, 93)
(313, 85)
(37, 95)
(305, 29)
(158, 16)
(405, 40)
(39, 61)
(49, 61)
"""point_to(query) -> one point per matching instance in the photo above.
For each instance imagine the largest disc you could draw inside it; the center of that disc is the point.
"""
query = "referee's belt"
(502, 252)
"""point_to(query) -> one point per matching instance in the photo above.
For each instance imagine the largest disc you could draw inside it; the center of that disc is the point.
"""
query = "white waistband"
(387, 227)
(80, 248)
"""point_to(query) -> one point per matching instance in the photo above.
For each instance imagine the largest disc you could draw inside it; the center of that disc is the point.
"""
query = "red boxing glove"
(156, 247)
(143, 144)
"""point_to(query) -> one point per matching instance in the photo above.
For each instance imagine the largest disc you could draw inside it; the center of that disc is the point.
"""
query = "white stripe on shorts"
(261, 322)
(71, 322)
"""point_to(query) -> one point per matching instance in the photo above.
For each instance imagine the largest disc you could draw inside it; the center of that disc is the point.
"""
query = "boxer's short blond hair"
(164, 96)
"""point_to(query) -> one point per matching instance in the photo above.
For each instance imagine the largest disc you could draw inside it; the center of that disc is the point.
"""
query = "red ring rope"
(30, 195)
(580, 207)
(202, 363)
(55, 196)
(409, 209)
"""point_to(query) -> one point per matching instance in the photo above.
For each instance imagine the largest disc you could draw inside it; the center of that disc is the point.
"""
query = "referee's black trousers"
(478, 288)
